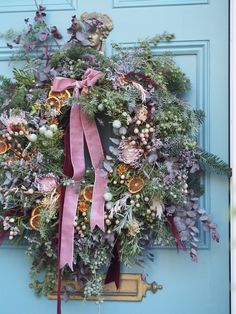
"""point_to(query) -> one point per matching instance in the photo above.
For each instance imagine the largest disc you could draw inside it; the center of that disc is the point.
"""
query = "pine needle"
(214, 163)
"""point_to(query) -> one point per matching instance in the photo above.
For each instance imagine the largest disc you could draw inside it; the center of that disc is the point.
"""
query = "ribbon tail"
(67, 170)
(97, 210)
(96, 154)
(62, 197)
(113, 273)
(67, 232)
(76, 152)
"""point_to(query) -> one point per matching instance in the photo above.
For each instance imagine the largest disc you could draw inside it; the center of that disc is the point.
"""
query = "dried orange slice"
(35, 222)
(36, 211)
(3, 147)
(88, 193)
(61, 95)
(54, 102)
(135, 185)
(82, 207)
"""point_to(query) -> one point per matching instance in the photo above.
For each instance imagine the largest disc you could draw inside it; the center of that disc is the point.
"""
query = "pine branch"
(214, 163)
(200, 116)
(23, 77)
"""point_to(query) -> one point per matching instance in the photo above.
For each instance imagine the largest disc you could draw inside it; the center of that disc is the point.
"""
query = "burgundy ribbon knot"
(79, 128)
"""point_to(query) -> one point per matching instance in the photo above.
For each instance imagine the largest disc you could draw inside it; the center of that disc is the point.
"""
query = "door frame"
(232, 120)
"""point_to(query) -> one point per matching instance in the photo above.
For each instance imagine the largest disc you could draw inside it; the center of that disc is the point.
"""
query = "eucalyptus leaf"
(115, 141)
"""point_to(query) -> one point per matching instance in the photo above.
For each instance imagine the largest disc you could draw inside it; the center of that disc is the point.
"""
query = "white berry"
(53, 127)
(48, 134)
(100, 107)
(32, 137)
(109, 205)
(122, 130)
(108, 196)
(108, 222)
(116, 124)
(42, 129)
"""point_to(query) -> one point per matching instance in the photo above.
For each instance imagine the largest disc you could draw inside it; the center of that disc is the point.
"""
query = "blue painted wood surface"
(201, 49)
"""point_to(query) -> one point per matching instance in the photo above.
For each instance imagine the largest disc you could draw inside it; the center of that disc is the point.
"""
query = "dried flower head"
(82, 207)
(129, 154)
(133, 228)
(47, 183)
(14, 121)
(122, 169)
(142, 114)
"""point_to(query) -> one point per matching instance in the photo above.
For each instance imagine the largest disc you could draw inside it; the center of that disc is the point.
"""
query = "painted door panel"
(201, 49)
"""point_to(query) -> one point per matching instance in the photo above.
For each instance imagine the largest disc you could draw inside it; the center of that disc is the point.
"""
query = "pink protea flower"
(47, 183)
(14, 122)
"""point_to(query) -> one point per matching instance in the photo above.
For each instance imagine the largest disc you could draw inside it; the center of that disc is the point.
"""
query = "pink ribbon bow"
(79, 128)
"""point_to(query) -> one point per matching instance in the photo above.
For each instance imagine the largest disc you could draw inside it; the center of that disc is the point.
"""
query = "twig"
(37, 6)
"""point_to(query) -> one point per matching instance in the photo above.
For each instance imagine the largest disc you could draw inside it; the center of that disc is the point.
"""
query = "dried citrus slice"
(3, 147)
(54, 102)
(36, 211)
(88, 193)
(61, 95)
(35, 222)
(135, 185)
(82, 207)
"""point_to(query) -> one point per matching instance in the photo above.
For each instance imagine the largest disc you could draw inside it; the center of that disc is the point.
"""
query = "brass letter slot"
(132, 288)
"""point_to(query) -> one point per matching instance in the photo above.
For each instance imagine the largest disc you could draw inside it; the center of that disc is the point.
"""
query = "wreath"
(141, 188)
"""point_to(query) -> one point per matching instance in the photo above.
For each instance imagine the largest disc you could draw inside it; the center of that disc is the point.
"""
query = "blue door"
(201, 50)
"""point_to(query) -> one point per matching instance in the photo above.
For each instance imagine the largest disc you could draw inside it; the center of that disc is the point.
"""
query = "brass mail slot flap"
(132, 288)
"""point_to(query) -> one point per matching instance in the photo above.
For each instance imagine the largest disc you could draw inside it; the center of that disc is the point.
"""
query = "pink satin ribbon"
(80, 127)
